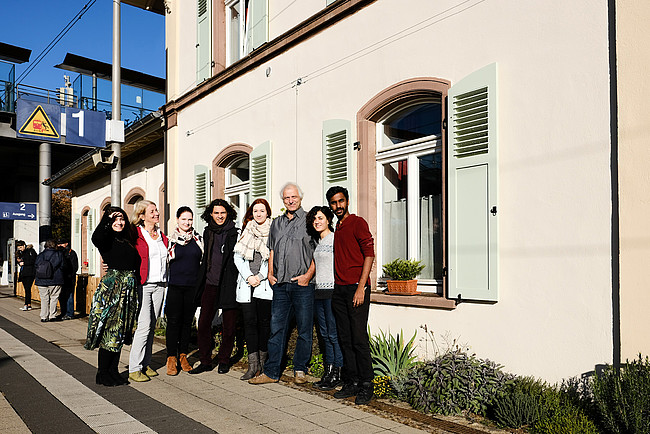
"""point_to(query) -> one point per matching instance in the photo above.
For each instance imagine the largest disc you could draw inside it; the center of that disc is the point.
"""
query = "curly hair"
(311, 216)
(334, 190)
(207, 213)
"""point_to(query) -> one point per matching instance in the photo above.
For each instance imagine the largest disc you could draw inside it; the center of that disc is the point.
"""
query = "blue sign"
(17, 211)
(85, 127)
(36, 120)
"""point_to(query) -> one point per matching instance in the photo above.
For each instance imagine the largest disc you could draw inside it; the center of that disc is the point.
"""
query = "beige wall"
(553, 317)
(633, 63)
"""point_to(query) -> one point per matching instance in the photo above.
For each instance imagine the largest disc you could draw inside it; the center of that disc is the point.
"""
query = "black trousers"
(257, 324)
(179, 311)
(352, 327)
(27, 281)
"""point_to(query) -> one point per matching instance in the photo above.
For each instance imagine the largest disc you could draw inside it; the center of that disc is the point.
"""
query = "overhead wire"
(55, 41)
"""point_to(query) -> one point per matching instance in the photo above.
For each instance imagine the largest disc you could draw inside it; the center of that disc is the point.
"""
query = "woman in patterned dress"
(115, 303)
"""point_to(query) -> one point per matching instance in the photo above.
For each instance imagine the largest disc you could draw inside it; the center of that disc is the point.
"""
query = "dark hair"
(207, 213)
(129, 231)
(183, 209)
(20, 243)
(335, 190)
(249, 212)
(311, 216)
(50, 244)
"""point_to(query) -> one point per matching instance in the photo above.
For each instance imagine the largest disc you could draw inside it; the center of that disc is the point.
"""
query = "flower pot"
(402, 287)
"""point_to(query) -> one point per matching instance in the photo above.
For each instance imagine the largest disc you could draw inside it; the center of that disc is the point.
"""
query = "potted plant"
(403, 273)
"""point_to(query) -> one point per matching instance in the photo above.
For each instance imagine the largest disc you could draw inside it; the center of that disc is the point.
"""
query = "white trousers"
(49, 298)
(153, 295)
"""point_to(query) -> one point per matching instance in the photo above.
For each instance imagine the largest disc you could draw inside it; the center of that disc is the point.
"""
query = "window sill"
(433, 301)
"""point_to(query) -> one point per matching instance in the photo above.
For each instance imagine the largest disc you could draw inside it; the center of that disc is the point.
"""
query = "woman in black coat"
(26, 260)
(217, 285)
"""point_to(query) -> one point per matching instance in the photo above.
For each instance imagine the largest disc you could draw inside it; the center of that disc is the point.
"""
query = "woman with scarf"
(115, 302)
(185, 251)
(217, 285)
(254, 293)
(151, 244)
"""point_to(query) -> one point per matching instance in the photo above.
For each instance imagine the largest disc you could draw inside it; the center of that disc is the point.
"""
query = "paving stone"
(357, 426)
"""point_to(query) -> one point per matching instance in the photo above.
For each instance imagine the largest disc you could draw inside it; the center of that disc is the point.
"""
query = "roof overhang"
(156, 6)
(14, 54)
(136, 137)
(86, 66)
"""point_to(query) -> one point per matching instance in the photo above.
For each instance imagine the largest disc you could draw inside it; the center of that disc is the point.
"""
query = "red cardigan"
(143, 249)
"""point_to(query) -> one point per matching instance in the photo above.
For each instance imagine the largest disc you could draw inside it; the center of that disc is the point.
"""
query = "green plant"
(455, 382)
(403, 269)
(559, 415)
(316, 365)
(383, 386)
(390, 354)
(520, 404)
(621, 397)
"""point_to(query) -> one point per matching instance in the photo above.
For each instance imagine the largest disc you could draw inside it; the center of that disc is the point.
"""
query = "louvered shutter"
(201, 194)
(336, 154)
(260, 172)
(472, 186)
(203, 40)
(76, 234)
(258, 25)
(92, 222)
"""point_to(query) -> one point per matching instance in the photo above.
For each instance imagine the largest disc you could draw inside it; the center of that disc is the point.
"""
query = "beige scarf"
(253, 239)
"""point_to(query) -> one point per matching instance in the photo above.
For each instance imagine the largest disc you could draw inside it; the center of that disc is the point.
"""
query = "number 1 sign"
(85, 127)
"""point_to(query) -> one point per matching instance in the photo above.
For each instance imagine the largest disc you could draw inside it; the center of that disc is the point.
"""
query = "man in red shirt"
(354, 253)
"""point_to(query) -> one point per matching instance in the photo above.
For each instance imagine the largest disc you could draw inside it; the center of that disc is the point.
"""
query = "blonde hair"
(138, 211)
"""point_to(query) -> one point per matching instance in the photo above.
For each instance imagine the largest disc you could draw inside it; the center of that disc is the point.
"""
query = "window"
(409, 171)
(246, 27)
(237, 190)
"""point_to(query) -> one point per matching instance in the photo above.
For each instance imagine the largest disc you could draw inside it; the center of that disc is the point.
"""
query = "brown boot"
(172, 365)
(185, 365)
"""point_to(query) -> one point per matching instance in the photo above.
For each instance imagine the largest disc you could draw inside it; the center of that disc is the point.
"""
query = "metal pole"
(44, 193)
(116, 172)
(94, 91)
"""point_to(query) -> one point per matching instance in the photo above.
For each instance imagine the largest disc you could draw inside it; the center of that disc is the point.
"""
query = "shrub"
(316, 365)
(383, 387)
(455, 382)
(390, 355)
(520, 404)
(621, 398)
(401, 269)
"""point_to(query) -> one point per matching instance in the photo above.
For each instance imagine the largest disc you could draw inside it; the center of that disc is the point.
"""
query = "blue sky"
(33, 24)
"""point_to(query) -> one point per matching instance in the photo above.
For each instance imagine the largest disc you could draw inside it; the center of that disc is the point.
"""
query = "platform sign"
(17, 211)
(85, 127)
(38, 120)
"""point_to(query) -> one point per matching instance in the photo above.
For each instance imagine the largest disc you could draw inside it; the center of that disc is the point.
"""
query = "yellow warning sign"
(38, 124)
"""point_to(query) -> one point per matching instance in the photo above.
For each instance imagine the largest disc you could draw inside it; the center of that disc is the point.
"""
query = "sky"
(33, 24)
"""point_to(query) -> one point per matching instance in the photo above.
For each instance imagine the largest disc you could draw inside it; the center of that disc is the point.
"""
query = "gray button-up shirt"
(292, 247)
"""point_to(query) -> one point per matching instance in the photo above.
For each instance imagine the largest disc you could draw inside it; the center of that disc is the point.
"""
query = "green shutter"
(76, 234)
(336, 154)
(260, 172)
(92, 222)
(472, 186)
(329, 2)
(201, 194)
(203, 40)
(258, 24)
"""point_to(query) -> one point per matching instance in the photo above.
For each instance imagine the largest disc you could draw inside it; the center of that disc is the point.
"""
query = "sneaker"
(366, 392)
(44, 320)
(150, 372)
(262, 379)
(299, 377)
(24, 308)
(138, 377)
(348, 390)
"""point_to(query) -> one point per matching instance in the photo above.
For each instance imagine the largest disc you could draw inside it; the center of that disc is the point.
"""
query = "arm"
(303, 279)
(360, 293)
(243, 266)
(270, 276)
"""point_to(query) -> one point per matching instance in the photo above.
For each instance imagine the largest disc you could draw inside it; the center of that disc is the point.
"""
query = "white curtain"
(431, 236)
(394, 231)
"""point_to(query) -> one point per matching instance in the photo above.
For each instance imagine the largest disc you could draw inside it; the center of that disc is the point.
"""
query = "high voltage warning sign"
(39, 124)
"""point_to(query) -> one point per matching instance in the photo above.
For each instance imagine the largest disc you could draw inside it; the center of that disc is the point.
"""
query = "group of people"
(270, 272)
(54, 271)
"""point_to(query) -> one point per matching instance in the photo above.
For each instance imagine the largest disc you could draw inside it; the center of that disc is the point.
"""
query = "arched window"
(132, 197)
(231, 177)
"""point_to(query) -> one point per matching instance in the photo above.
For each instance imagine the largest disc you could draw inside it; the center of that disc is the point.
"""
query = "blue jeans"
(327, 326)
(290, 299)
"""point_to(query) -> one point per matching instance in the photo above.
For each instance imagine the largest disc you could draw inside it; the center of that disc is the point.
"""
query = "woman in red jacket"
(151, 244)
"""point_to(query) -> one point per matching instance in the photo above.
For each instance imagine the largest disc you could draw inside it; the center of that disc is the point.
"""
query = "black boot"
(114, 371)
(103, 377)
(333, 381)
(325, 378)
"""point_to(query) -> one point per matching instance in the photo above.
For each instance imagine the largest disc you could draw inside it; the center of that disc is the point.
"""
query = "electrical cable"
(54, 41)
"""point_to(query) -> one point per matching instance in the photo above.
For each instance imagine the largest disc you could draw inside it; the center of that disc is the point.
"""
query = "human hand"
(272, 279)
(301, 280)
(359, 297)
(253, 281)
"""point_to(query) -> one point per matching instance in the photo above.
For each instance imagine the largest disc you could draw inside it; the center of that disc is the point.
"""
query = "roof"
(86, 66)
(14, 54)
(136, 136)
(157, 6)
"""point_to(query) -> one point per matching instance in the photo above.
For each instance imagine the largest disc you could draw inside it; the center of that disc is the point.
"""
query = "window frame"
(242, 32)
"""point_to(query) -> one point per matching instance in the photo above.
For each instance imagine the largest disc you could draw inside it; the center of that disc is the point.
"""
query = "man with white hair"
(291, 269)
